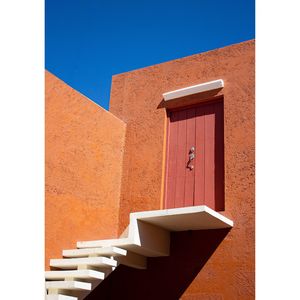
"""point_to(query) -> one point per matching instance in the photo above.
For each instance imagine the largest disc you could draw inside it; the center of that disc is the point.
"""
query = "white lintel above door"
(194, 89)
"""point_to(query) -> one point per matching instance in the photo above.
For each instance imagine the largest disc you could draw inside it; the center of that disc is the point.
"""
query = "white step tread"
(60, 297)
(104, 251)
(71, 263)
(122, 243)
(68, 285)
(78, 274)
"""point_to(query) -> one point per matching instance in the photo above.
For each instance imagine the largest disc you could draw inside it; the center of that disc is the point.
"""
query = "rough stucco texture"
(84, 154)
(136, 98)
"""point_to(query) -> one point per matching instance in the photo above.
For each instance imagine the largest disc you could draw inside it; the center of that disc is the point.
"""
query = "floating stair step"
(68, 285)
(105, 251)
(74, 263)
(122, 243)
(60, 297)
(75, 274)
(128, 244)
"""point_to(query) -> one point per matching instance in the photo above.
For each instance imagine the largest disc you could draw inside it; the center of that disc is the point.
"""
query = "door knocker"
(191, 158)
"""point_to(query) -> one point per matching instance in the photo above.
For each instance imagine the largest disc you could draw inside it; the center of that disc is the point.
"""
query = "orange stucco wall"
(84, 154)
(95, 176)
(136, 98)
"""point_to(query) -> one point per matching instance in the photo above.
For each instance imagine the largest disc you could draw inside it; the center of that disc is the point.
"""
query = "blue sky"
(88, 41)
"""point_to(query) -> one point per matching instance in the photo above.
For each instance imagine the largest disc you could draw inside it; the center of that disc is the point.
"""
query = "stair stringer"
(148, 236)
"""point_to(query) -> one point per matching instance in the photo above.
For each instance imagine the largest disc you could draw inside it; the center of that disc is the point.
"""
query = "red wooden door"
(199, 181)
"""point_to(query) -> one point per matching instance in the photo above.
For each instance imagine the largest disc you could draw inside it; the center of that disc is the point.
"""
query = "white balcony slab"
(148, 232)
(105, 251)
(73, 263)
(194, 89)
(75, 274)
(185, 218)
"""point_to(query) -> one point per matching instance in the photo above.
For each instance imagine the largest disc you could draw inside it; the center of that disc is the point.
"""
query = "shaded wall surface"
(136, 98)
(166, 277)
(84, 154)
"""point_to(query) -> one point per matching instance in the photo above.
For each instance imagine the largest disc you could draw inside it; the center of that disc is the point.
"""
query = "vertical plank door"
(199, 181)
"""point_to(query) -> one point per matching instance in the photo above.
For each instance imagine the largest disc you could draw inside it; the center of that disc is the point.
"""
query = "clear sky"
(88, 41)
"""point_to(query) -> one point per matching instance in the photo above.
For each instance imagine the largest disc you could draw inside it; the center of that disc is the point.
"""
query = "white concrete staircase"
(82, 269)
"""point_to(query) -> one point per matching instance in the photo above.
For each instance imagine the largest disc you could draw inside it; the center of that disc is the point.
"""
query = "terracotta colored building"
(154, 199)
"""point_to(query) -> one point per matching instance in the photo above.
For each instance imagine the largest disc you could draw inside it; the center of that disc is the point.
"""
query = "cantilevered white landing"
(186, 218)
(148, 232)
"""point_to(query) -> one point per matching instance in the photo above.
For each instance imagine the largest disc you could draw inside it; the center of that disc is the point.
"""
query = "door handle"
(191, 158)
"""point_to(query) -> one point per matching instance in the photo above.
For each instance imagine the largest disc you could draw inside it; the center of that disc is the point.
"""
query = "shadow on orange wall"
(165, 277)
